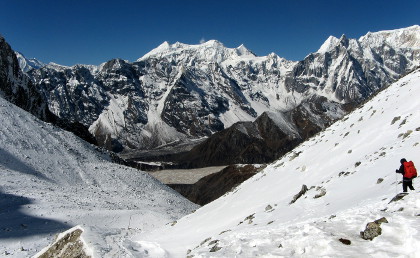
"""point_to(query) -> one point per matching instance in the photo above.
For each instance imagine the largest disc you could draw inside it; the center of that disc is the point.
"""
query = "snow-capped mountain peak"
(165, 45)
(211, 50)
(403, 38)
(328, 45)
(213, 43)
(243, 51)
(27, 64)
(333, 42)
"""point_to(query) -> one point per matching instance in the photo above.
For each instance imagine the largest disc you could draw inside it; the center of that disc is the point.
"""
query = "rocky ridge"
(17, 88)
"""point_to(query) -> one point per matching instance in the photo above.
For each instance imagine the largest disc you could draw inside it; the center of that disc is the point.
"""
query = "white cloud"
(202, 40)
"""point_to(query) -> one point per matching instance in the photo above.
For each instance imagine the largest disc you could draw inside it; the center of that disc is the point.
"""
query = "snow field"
(353, 161)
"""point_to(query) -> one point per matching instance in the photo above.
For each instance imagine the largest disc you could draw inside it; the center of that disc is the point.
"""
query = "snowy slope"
(347, 161)
(52, 181)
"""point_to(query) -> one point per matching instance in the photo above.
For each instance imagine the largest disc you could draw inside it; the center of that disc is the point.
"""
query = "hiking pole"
(396, 184)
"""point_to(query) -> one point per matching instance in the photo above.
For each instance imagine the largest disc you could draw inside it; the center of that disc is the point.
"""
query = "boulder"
(373, 229)
(300, 194)
(69, 245)
(398, 197)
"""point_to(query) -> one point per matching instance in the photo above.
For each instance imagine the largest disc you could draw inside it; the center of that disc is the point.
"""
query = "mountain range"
(179, 92)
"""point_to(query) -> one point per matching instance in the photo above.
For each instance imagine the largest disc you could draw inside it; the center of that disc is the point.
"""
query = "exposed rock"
(213, 242)
(345, 241)
(373, 229)
(225, 231)
(398, 197)
(300, 194)
(343, 173)
(322, 193)
(268, 208)
(215, 249)
(381, 220)
(250, 218)
(16, 87)
(205, 240)
(380, 180)
(69, 246)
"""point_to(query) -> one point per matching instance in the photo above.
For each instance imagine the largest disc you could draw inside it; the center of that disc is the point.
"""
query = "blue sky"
(69, 32)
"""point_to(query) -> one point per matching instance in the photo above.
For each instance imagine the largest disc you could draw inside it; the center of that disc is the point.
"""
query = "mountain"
(179, 92)
(53, 181)
(27, 64)
(270, 136)
(16, 87)
(316, 199)
(348, 70)
(137, 105)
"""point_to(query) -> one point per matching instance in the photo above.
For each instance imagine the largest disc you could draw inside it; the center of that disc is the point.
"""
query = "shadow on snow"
(14, 223)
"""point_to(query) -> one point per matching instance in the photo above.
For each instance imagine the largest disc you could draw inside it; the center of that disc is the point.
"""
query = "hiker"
(407, 178)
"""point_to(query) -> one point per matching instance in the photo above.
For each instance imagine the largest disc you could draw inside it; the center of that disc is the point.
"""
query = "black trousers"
(407, 182)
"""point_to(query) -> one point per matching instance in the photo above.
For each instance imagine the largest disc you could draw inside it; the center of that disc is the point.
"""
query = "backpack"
(410, 170)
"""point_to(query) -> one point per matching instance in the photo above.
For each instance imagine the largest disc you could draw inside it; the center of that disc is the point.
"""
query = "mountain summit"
(210, 51)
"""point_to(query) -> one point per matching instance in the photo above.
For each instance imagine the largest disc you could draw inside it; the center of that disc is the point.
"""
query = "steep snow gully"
(349, 170)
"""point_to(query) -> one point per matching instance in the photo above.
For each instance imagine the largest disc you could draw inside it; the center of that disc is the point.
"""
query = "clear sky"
(69, 32)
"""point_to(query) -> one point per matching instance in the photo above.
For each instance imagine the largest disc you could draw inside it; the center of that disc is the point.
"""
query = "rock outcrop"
(69, 245)
(373, 229)
(17, 88)
(299, 194)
